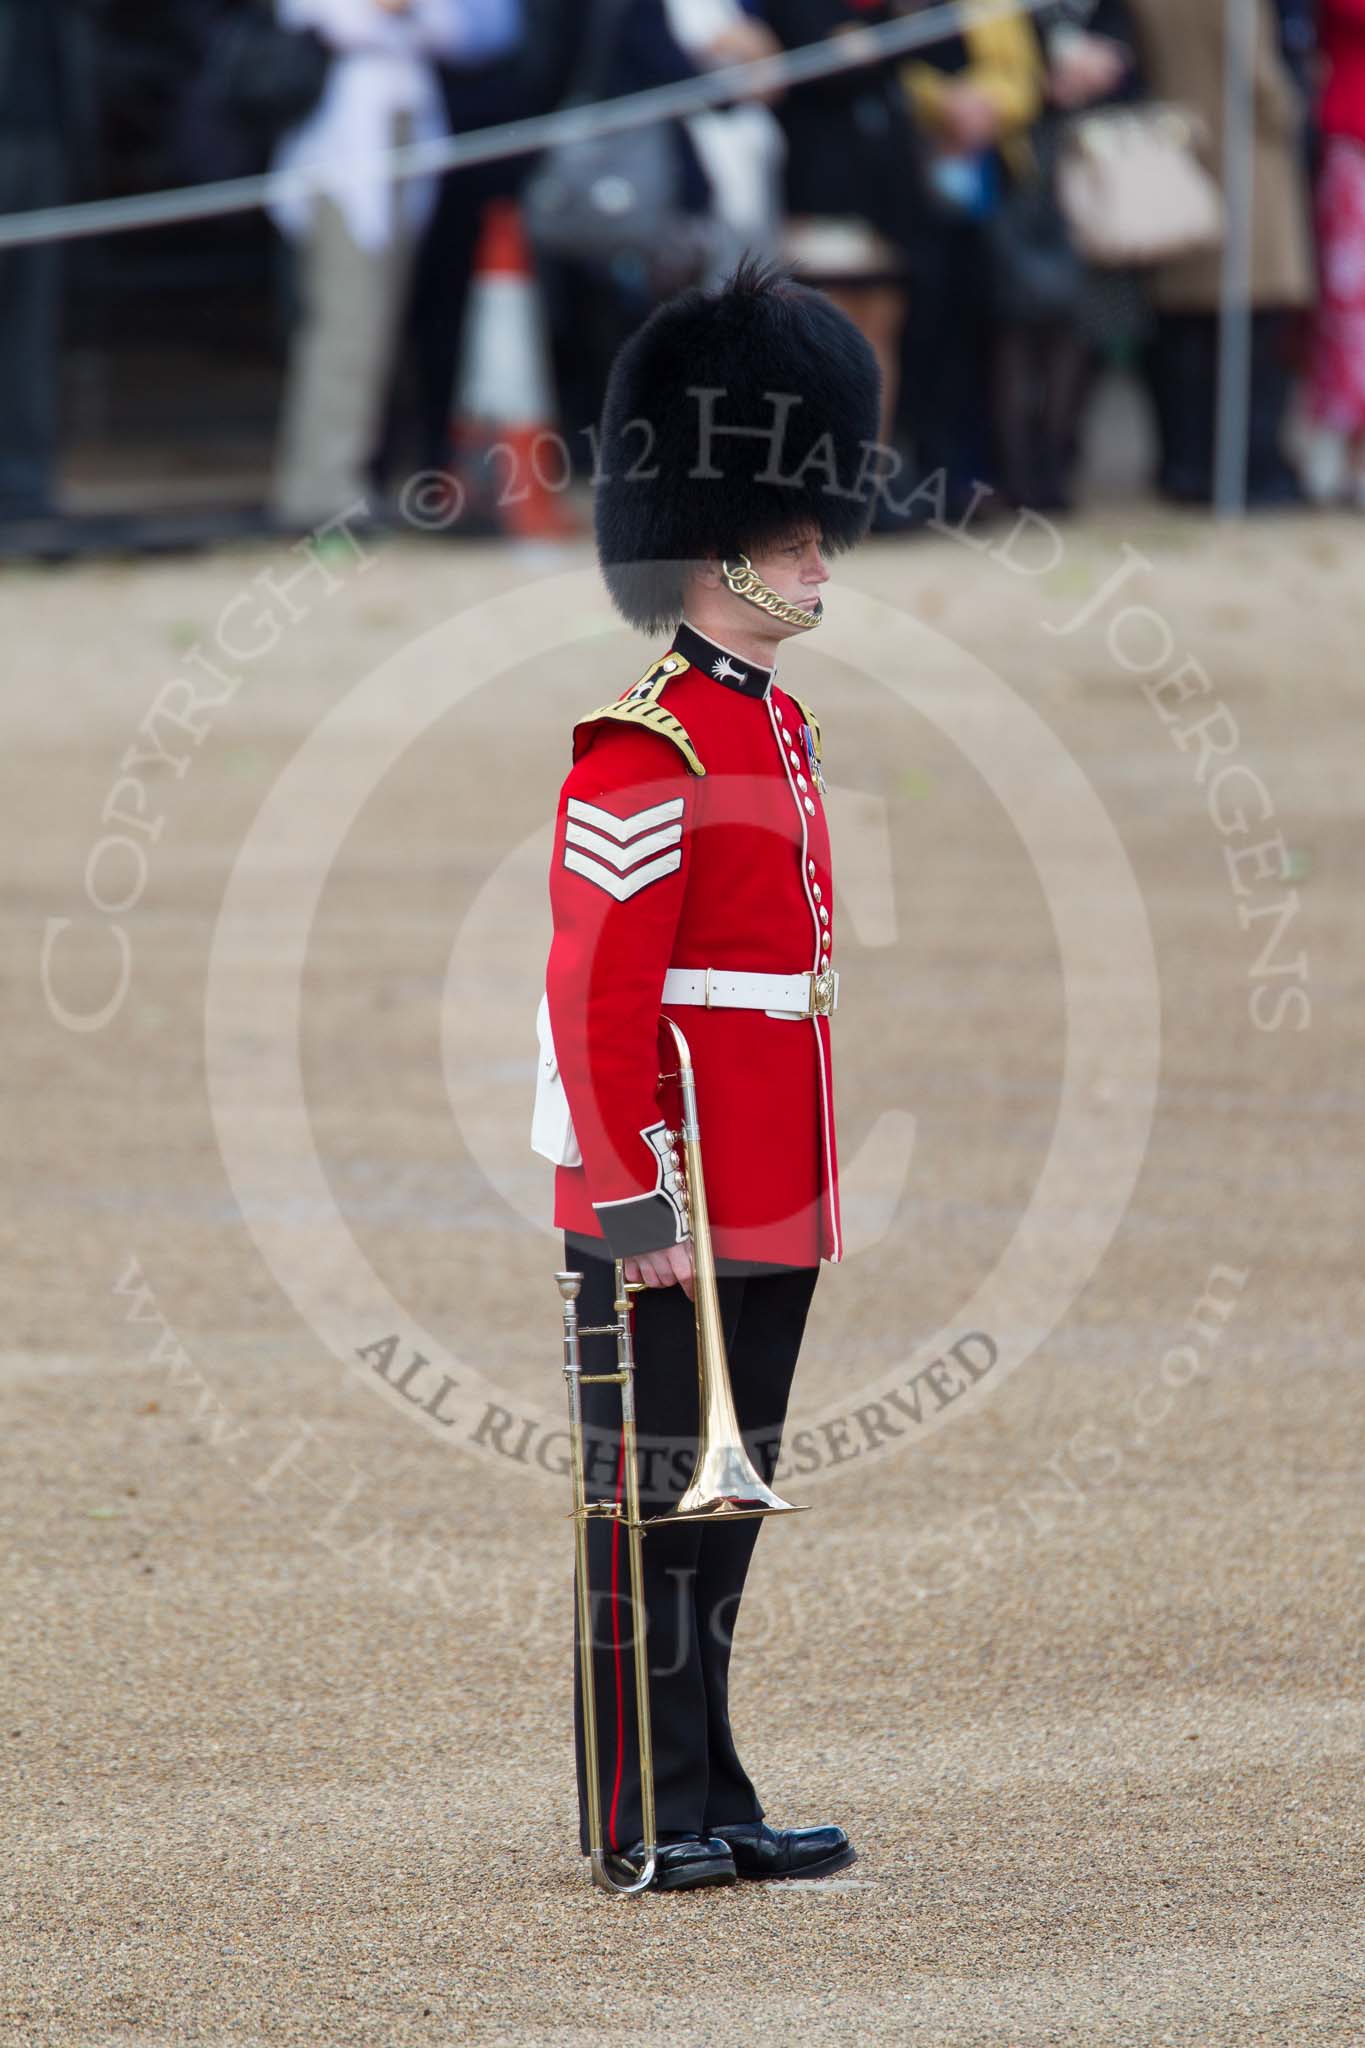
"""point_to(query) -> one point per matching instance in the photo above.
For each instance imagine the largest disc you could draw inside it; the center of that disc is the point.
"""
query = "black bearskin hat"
(731, 418)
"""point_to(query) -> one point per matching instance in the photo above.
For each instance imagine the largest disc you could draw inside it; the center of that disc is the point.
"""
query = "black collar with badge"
(721, 663)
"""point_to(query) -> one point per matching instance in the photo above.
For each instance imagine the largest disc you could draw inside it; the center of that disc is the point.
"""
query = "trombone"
(725, 1484)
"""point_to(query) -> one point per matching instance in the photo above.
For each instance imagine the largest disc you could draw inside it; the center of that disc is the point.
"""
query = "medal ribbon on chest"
(812, 759)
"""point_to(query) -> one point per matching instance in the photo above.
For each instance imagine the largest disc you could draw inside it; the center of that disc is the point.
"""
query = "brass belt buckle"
(822, 994)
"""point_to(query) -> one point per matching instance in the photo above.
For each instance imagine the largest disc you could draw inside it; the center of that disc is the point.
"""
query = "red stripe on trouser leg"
(616, 1649)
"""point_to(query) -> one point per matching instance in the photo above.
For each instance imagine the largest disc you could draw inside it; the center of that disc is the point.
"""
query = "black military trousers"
(694, 1573)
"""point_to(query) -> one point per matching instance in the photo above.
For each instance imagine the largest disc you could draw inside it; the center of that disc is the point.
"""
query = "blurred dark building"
(171, 336)
(173, 339)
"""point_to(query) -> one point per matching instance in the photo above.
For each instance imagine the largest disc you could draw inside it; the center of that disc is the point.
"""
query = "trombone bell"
(726, 1484)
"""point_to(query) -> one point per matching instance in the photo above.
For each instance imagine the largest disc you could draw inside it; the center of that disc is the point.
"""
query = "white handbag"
(1132, 188)
(552, 1131)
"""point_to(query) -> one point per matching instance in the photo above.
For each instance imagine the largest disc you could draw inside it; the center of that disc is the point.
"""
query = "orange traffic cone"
(504, 421)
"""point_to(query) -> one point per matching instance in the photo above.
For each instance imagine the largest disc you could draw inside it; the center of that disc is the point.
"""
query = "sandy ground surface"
(1076, 1657)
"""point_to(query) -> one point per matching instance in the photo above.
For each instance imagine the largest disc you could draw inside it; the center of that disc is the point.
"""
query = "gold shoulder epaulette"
(640, 705)
(812, 721)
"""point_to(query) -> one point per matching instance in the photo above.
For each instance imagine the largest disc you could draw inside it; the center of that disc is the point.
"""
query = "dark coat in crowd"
(47, 77)
(851, 148)
(47, 156)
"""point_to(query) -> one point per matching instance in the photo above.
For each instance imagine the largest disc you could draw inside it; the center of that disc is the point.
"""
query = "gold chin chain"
(741, 577)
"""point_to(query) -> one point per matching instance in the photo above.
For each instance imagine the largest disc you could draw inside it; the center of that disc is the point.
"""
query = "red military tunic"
(691, 834)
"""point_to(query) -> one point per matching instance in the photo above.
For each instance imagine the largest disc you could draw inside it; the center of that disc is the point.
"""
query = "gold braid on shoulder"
(640, 705)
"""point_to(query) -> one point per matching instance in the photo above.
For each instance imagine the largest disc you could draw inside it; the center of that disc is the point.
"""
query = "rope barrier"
(844, 52)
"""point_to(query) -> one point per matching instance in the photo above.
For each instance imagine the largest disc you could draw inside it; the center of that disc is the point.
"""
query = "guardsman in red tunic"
(691, 875)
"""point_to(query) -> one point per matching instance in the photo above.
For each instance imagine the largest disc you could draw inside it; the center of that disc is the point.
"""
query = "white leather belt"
(778, 995)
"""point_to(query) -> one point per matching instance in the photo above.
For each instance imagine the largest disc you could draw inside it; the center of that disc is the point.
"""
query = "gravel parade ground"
(1071, 1639)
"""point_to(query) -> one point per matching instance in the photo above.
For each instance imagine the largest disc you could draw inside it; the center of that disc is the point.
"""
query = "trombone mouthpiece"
(568, 1285)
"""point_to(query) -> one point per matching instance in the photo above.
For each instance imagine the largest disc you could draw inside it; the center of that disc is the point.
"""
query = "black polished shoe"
(761, 1851)
(682, 1866)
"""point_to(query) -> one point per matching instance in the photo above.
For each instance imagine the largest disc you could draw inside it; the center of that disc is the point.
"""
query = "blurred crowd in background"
(1004, 211)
